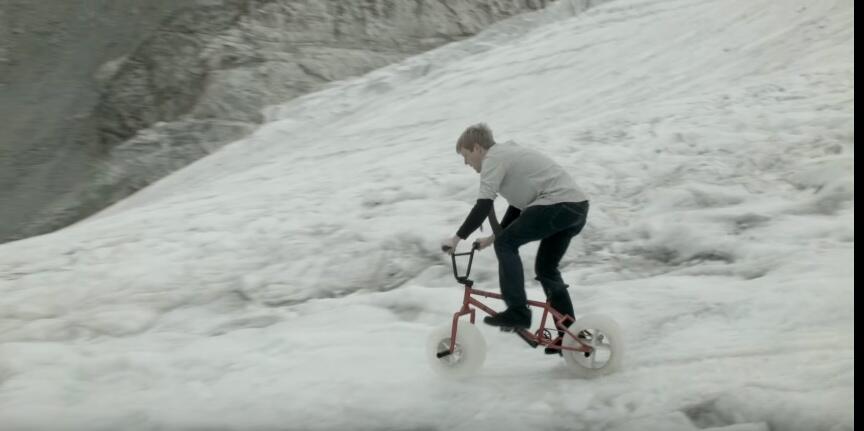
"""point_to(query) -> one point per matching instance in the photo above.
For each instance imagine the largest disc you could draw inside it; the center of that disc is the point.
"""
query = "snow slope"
(289, 281)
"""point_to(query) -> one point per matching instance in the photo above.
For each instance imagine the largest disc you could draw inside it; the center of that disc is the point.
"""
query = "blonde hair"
(477, 134)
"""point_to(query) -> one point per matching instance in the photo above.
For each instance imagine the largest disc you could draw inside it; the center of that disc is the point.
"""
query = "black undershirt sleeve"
(475, 218)
(510, 216)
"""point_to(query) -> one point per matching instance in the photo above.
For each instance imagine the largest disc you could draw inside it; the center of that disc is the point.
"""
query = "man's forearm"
(475, 218)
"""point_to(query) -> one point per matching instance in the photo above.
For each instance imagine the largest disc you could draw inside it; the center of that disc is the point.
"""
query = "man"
(545, 205)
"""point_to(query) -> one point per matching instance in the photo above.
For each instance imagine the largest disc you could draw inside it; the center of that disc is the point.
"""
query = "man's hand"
(485, 242)
(449, 245)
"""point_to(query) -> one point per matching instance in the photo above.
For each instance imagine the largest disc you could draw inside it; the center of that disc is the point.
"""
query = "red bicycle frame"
(537, 338)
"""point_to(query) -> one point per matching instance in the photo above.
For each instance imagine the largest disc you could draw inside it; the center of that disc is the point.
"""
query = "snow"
(290, 280)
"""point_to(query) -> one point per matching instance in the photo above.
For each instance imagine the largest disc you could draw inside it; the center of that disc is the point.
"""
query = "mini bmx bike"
(591, 346)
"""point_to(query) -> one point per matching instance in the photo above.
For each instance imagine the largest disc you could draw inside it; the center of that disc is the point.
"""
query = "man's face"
(473, 158)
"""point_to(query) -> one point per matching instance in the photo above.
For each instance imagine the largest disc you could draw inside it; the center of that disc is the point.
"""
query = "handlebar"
(462, 279)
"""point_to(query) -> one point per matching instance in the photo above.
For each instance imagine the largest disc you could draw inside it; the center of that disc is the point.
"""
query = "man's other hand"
(485, 242)
(449, 245)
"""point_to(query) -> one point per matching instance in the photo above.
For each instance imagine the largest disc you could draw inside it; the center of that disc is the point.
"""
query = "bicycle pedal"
(507, 329)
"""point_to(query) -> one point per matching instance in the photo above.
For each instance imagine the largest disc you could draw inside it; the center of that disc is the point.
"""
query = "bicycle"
(591, 346)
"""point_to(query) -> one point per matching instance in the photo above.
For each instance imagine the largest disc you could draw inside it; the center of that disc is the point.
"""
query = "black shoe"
(549, 350)
(517, 317)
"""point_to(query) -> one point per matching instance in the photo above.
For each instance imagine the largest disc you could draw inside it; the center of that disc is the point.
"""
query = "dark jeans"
(554, 226)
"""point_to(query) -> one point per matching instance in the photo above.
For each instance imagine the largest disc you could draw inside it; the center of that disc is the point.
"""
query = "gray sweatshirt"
(525, 177)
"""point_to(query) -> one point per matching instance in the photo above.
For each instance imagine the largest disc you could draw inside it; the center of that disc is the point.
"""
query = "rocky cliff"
(100, 98)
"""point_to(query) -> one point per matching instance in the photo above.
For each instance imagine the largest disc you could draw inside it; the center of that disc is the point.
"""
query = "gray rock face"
(49, 52)
(229, 59)
(100, 98)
